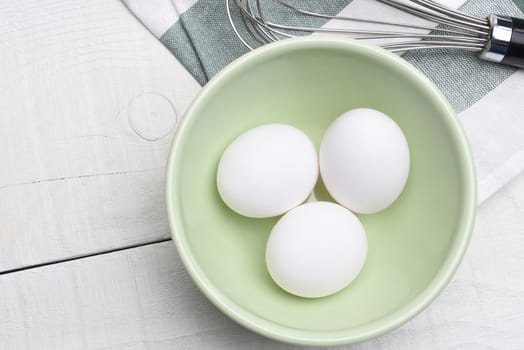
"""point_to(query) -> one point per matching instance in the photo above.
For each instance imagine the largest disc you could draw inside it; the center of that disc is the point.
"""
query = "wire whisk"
(497, 38)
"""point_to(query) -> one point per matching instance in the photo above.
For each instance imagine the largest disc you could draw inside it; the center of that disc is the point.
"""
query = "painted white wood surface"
(142, 298)
(75, 177)
(72, 168)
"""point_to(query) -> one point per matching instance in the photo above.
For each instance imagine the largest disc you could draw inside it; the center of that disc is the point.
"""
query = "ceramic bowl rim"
(375, 328)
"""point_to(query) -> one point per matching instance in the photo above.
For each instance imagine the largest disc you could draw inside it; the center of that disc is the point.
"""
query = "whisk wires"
(455, 29)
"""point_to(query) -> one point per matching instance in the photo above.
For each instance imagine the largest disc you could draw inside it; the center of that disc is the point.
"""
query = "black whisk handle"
(515, 54)
(506, 41)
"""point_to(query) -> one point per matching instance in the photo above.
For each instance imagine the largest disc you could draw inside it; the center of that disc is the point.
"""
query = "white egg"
(364, 160)
(316, 249)
(267, 171)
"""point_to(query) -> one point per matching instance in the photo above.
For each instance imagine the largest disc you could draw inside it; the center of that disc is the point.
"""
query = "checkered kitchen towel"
(489, 98)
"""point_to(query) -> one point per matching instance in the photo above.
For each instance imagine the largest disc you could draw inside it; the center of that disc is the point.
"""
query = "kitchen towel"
(488, 98)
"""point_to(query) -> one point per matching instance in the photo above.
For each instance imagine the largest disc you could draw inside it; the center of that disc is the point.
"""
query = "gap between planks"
(79, 257)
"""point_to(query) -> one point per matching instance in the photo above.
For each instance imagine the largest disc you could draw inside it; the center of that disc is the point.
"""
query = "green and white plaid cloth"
(488, 98)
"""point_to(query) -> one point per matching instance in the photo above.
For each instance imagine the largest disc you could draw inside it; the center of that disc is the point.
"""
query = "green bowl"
(414, 246)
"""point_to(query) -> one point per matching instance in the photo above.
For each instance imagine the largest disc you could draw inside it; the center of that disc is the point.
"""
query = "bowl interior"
(414, 246)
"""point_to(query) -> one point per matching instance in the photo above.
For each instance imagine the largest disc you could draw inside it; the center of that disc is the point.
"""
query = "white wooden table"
(88, 102)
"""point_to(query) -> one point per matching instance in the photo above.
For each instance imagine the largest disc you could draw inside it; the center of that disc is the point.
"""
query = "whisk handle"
(506, 41)
(515, 54)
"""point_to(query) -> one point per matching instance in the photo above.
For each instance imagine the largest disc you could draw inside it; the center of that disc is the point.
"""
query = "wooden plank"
(142, 298)
(89, 100)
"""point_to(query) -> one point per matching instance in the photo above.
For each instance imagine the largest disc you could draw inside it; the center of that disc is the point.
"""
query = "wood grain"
(75, 178)
(142, 298)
